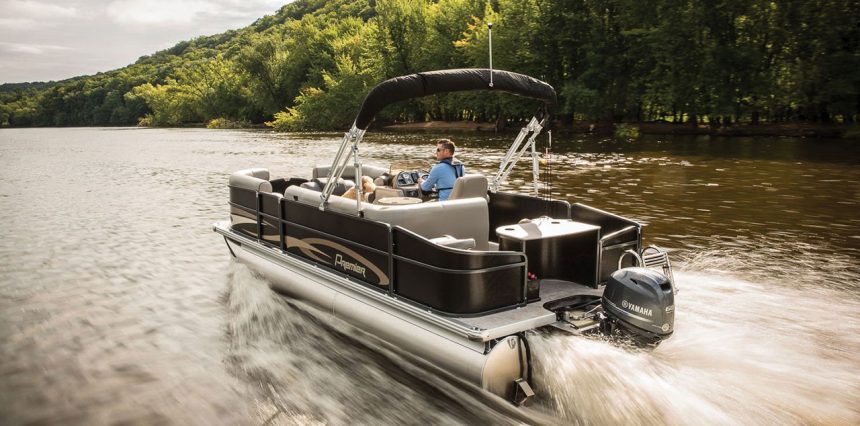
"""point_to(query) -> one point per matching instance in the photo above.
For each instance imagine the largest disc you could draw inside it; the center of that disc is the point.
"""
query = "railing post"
(354, 136)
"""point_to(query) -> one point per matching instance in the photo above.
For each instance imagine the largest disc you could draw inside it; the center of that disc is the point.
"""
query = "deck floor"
(532, 315)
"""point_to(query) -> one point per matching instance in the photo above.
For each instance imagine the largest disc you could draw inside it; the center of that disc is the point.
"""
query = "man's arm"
(431, 180)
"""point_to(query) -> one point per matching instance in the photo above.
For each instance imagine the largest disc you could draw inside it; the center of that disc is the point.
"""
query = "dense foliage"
(309, 65)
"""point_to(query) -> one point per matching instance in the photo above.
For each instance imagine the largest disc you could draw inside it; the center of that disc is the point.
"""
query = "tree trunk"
(824, 114)
(566, 119)
(713, 122)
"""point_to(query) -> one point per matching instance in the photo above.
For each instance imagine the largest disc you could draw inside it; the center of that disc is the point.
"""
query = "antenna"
(490, 28)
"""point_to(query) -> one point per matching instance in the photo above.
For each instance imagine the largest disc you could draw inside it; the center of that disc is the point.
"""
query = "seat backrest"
(312, 185)
(461, 219)
(340, 187)
(349, 171)
(469, 186)
(309, 196)
(253, 179)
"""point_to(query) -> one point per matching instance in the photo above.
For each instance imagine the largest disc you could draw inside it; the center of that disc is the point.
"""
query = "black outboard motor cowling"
(641, 301)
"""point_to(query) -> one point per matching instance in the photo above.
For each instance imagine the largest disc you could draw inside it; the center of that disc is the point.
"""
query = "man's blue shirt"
(443, 175)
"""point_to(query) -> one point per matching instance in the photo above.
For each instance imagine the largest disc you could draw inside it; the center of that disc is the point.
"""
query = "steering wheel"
(409, 179)
(404, 178)
(425, 195)
(422, 175)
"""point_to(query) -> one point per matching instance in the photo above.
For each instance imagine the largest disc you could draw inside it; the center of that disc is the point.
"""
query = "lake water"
(118, 304)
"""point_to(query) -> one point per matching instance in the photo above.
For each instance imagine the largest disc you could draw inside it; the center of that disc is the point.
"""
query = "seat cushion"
(252, 179)
(457, 243)
(340, 187)
(313, 186)
(349, 171)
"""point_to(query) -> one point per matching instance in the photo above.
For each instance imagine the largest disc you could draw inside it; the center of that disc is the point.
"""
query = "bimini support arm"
(516, 151)
(350, 139)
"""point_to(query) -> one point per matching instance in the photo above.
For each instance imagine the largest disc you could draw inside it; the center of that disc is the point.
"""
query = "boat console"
(406, 182)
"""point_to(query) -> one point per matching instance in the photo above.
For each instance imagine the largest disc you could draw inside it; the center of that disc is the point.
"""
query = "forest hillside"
(310, 64)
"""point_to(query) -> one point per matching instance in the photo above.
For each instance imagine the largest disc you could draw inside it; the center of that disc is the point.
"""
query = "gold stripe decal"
(307, 247)
(242, 219)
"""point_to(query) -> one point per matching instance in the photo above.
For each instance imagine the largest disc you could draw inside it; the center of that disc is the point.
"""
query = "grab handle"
(631, 252)
(617, 233)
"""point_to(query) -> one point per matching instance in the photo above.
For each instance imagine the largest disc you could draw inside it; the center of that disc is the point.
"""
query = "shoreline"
(628, 130)
(814, 130)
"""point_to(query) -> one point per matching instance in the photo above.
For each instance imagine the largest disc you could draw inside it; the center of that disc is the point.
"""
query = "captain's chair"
(469, 186)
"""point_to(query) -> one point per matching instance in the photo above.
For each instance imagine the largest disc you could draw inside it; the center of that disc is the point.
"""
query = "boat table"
(398, 201)
(556, 248)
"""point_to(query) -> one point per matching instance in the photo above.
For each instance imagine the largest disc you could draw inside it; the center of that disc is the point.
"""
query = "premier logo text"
(349, 266)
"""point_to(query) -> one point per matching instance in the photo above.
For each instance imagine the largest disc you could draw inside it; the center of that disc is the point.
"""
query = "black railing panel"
(347, 244)
(366, 232)
(455, 281)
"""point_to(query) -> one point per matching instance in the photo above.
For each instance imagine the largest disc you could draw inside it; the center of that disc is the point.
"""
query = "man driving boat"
(445, 173)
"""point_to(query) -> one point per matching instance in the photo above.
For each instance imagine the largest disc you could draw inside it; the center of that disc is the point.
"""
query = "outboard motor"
(640, 301)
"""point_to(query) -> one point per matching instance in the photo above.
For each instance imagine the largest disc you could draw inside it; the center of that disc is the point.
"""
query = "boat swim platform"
(532, 315)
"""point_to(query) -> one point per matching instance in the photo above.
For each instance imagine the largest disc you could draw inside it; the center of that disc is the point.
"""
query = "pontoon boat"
(457, 283)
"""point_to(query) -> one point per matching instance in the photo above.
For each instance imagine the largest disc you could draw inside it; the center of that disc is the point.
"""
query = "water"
(119, 305)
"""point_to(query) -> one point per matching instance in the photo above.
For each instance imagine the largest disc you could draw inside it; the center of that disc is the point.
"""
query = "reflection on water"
(118, 303)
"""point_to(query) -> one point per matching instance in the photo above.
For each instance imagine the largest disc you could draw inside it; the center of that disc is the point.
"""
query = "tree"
(331, 107)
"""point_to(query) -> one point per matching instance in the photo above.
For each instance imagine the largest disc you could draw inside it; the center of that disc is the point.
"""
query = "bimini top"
(456, 80)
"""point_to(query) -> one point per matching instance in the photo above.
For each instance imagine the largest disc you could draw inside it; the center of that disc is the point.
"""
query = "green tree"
(331, 107)
(201, 92)
(265, 60)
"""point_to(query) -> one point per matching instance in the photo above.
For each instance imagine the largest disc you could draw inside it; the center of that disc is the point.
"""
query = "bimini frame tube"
(352, 137)
(516, 151)
(446, 81)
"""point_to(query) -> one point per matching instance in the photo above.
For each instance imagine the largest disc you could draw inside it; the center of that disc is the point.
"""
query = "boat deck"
(533, 315)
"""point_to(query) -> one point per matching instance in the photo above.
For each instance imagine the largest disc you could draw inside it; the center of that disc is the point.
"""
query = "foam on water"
(743, 352)
(313, 368)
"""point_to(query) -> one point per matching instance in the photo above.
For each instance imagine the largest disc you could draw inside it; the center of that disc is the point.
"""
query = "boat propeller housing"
(642, 302)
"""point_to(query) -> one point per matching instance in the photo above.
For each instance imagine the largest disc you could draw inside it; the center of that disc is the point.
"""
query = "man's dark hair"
(447, 144)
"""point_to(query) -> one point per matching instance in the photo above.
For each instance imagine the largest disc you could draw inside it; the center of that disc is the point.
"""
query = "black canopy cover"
(456, 80)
